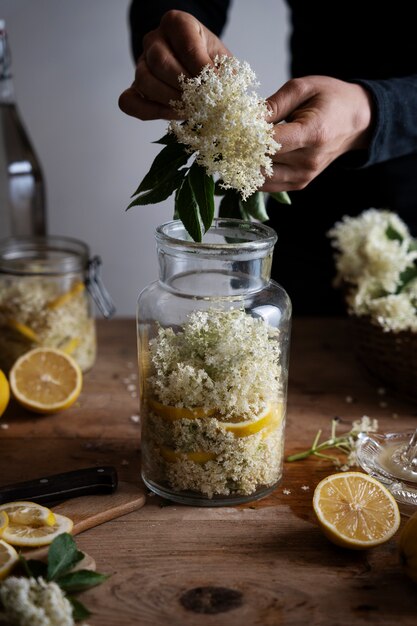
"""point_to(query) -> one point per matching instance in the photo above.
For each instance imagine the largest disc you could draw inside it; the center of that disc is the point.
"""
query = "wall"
(71, 60)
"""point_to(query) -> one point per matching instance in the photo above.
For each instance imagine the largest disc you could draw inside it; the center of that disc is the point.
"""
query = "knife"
(82, 482)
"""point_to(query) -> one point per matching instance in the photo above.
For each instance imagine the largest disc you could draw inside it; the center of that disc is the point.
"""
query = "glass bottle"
(45, 289)
(22, 189)
(213, 344)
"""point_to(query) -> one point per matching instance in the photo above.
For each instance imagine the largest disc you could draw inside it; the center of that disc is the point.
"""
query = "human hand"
(180, 45)
(325, 118)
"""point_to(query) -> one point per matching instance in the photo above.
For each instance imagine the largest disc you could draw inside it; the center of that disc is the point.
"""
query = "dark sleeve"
(395, 125)
(145, 15)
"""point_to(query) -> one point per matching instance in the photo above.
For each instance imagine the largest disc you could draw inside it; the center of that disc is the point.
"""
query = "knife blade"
(82, 482)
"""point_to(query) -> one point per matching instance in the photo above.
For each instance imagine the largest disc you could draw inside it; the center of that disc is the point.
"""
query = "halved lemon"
(200, 457)
(4, 392)
(355, 510)
(4, 521)
(268, 419)
(8, 557)
(77, 288)
(28, 513)
(46, 380)
(178, 413)
(35, 536)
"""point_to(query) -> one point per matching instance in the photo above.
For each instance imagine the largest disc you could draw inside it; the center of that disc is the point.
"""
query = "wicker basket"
(390, 357)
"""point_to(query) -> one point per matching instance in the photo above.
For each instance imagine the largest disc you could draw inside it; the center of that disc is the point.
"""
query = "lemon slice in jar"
(269, 419)
(199, 457)
(4, 392)
(77, 288)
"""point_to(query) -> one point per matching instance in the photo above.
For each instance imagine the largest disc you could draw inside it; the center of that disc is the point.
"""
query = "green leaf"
(162, 191)
(79, 611)
(202, 186)
(230, 205)
(167, 139)
(170, 159)
(409, 274)
(80, 580)
(62, 556)
(255, 206)
(33, 568)
(393, 234)
(187, 208)
(281, 196)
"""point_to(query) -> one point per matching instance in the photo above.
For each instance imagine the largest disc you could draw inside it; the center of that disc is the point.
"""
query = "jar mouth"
(225, 235)
(48, 255)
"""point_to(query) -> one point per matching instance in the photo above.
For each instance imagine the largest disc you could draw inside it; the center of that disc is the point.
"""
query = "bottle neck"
(6, 81)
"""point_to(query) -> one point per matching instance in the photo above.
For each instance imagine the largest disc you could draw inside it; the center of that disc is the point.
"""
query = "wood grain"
(261, 564)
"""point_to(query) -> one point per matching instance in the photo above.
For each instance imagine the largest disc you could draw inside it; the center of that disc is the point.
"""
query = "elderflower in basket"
(376, 261)
(225, 134)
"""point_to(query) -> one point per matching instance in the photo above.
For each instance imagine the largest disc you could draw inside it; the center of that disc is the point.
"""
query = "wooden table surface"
(265, 563)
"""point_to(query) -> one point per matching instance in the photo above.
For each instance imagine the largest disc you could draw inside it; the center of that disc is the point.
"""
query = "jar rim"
(48, 255)
(250, 236)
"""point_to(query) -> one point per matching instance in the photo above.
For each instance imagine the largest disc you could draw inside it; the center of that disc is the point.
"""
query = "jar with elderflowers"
(47, 285)
(213, 343)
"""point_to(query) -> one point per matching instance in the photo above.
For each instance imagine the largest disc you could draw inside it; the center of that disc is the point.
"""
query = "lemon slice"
(8, 557)
(178, 413)
(355, 510)
(77, 288)
(200, 457)
(28, 513)
(23, 330)
(46, 380)
(4, 393)
(35, 536)
(71, 345)
(4, 521)
(269, 419)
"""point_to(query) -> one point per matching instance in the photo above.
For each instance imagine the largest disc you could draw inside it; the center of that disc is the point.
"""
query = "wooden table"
(263, 564)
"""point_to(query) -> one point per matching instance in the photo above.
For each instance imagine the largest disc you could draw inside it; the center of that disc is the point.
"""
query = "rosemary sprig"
(345, 443)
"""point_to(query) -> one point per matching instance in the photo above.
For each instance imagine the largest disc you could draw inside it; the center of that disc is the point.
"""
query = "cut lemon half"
(8, 557)
(77, 288)
(4, 392)
(199, 457)
(28, 513)
(35, 536)
(178, 413)
(4, 521)
(355, 510)
(46, 380)
(268, 419)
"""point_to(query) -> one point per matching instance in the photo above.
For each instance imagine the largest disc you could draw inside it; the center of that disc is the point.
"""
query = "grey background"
(71, 60)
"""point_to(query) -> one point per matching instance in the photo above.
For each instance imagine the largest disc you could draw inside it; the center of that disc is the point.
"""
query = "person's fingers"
(291, 136)
(160, 60)
(133, 103)
(152, 87)
(188, 40)
(289, 97)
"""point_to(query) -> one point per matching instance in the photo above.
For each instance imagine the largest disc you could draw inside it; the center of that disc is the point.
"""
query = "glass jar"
(45, 284)
(213, 343)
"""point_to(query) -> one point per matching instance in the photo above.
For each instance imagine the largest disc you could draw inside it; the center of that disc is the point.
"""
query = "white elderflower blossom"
(375, 252)
(34, 602)
(226, 125)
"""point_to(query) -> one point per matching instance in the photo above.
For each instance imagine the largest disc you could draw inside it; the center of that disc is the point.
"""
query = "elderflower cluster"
(34, 602)
(225, 125)
(376, 261)
(224, 360)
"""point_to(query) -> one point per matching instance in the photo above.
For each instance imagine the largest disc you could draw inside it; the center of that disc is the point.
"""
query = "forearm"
(145, 15)
(394, 132)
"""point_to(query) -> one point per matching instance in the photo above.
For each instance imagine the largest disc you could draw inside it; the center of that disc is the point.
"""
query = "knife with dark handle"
(82, 482)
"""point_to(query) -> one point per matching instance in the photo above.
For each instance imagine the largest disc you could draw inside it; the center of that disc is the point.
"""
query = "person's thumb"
(287, 99)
